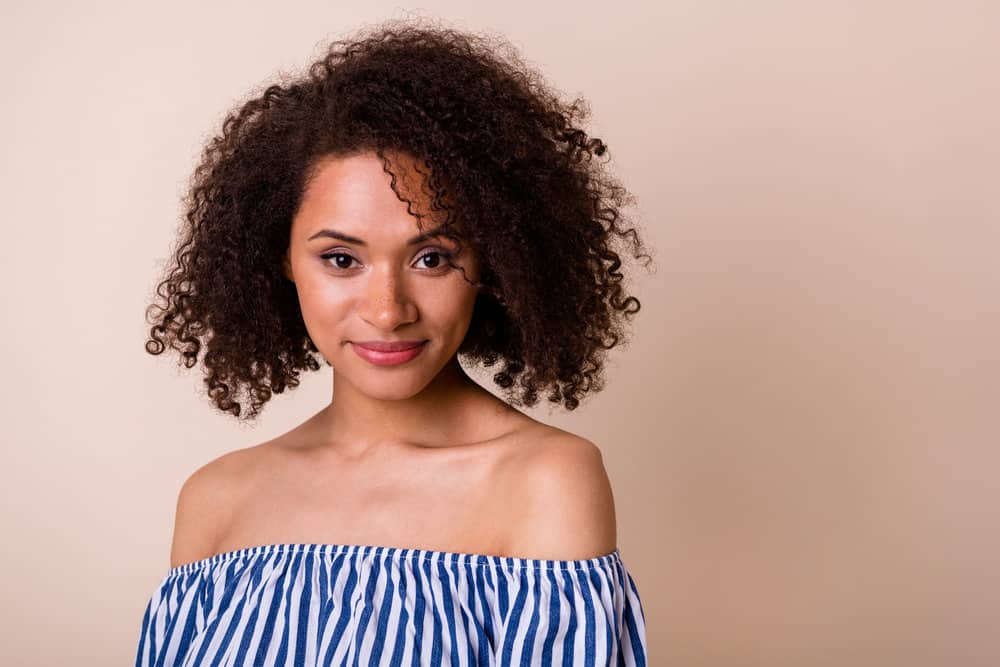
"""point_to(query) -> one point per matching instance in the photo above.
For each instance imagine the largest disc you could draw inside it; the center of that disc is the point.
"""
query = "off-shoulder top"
(325, 604)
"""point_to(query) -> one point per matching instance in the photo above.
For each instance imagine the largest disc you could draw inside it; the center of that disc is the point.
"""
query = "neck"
(447, 412)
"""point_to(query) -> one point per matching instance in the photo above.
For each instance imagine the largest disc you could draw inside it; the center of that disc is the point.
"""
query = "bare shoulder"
(206, 501)
(565, 504)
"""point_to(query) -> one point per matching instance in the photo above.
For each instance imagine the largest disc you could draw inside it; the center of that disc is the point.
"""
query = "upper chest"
(463, 500)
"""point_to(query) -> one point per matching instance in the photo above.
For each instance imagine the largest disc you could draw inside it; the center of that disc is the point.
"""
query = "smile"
(388, 358)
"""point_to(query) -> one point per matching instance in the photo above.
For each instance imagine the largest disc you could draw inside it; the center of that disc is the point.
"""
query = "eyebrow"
(334, 234)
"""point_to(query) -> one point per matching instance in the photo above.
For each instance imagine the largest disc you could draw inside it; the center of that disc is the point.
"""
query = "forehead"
(354, 195)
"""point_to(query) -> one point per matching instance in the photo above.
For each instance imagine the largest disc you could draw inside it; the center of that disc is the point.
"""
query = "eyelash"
(326, 257)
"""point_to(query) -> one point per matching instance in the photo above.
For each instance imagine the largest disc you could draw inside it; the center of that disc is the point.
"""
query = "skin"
(418, 454)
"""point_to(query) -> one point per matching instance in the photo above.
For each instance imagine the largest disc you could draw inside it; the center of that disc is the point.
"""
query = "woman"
(415, 197)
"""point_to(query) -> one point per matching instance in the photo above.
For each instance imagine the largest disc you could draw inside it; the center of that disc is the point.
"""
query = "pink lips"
(390, 354)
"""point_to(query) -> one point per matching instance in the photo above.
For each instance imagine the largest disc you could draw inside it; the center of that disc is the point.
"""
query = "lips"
(399, 356)
(389, 346)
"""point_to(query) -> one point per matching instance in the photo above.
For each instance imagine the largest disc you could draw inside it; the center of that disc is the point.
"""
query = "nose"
(386, 303)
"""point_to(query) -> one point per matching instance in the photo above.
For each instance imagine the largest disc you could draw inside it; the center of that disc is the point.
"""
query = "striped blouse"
(327, 604)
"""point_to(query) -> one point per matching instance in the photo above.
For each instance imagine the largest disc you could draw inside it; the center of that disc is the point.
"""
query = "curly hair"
(505, 158)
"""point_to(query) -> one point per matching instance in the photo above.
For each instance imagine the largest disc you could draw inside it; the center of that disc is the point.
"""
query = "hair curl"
(501, 148)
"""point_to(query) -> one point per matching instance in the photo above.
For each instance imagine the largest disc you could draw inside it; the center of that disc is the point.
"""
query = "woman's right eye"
(331, 255)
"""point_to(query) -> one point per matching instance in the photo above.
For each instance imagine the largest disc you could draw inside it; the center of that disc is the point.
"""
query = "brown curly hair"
(505, 158)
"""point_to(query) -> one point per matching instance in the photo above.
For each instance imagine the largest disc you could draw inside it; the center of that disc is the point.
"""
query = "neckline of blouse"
(400, 553)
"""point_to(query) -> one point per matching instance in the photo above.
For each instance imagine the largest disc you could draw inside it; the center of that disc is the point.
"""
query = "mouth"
(389, 345)
(403, 352)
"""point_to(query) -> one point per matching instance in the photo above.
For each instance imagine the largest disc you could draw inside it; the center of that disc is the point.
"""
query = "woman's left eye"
(440, 253)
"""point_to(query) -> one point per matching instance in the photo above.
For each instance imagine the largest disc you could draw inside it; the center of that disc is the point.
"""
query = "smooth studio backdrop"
(802, 433)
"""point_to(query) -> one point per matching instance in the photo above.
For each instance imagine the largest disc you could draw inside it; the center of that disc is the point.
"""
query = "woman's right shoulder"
(231, 467)
(208, 500)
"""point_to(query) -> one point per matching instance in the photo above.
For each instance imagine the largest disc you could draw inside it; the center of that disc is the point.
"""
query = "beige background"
(802, 434)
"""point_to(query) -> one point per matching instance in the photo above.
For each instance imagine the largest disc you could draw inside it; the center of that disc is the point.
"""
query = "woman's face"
(381, 284)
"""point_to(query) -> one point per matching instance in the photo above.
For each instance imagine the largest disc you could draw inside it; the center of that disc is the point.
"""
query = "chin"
(390, 389)
(384, 382)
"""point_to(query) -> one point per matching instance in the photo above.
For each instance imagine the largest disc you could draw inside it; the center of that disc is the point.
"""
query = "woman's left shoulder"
(566, 500)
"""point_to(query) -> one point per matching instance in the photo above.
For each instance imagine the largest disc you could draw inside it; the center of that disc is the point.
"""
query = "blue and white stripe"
(323, 604)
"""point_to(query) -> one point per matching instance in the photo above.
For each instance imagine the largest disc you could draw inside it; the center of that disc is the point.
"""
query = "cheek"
(448, 301)
(322, 303)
